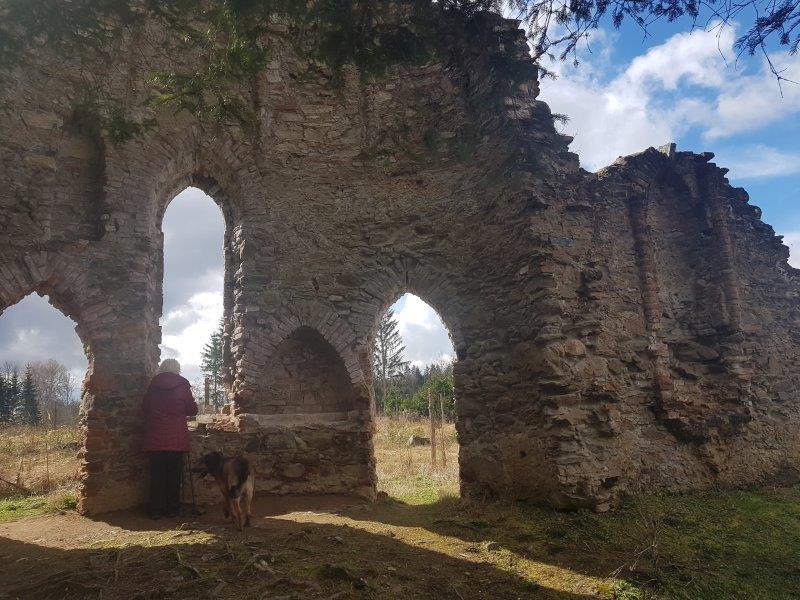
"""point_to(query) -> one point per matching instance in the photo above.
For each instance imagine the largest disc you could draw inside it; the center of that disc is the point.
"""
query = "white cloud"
(690, 82)
(747, 103)
(760, 160)
(692, 57)
(412, 310)
(425, 337)
(187, 328)
(33, 330)
(792, 239)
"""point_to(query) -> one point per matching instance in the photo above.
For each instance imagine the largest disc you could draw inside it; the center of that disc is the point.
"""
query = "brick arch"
(435, 288)
(219, 195)
(426, 299)
(196, 164)
(333, 329)
(47, 274)
(209, 180)
(66, 284)
(469, 318)
(191, 158)
(326, 338)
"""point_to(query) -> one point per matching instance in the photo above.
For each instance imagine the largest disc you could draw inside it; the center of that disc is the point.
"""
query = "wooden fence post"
(433, 428)
(441, 433)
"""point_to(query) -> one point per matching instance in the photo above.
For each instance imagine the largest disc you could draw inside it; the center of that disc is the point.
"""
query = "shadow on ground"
(315, 552)
(721, 545)
(703, 546)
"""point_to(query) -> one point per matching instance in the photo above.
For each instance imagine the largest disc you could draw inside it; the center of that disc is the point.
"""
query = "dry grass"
(404, 472)
(38, 459)
(44, 461)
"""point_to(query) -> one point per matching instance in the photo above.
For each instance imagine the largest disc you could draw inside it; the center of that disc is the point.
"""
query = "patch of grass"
(740, 544)
(703, 546)
(12, 509)
(406, 473)
(622, 590)
(41, 460)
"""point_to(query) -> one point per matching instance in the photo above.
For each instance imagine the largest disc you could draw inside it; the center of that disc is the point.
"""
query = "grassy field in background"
(404, 472)
(39, 459)
(42, 461)
(721, 545)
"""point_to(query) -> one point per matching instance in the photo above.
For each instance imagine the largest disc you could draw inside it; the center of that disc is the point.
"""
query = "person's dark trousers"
(166, 472)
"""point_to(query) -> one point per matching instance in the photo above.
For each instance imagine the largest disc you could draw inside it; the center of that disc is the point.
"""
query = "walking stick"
(195, 512)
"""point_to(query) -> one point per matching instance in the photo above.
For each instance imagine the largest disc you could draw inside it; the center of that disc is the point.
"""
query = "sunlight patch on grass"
(538, 574)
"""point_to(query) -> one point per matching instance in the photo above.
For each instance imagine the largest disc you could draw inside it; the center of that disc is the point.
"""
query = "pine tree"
(28, 407)
(4, 398)
(10, 397)
(387, 358)
(211, 365)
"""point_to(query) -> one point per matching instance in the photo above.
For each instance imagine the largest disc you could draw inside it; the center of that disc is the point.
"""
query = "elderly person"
(166, 436)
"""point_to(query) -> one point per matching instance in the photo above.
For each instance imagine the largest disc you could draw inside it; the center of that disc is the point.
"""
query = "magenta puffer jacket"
(167, 403)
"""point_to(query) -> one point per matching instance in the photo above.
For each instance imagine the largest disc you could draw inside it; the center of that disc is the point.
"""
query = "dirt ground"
(315, 548)
(421, 541)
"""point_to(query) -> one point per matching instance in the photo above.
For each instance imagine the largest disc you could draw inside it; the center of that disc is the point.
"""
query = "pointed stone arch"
(53, 275)
(432, 285)
(319, 333)
(336, 332)
(192, 171)
(67, 287)
(197, 164)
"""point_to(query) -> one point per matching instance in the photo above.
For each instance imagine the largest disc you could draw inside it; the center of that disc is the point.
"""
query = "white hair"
(170, 365)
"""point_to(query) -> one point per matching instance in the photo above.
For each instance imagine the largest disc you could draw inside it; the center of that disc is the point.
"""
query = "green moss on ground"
(710, 546)
(12, 509)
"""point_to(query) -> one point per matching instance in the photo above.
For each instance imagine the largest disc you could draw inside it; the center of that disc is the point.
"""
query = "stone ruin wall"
(619, 331)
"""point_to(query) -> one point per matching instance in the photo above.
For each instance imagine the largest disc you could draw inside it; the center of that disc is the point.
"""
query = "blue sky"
(628, 93)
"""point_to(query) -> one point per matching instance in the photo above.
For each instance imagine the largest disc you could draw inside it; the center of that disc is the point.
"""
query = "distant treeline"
(408, 391)
(40, 394)
(402, 387)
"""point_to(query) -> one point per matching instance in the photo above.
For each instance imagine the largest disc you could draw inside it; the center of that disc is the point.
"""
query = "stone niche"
(306, 375)
(303, 431)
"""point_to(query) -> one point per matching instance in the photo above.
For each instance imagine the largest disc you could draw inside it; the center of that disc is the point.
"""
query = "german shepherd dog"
(235, 477)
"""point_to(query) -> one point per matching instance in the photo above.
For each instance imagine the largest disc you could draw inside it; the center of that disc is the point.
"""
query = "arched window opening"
(416, 448)
(42, 367)
(192, 312)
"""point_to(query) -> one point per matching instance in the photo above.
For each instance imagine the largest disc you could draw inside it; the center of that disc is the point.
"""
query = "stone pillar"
(113, 473)
(651, 305)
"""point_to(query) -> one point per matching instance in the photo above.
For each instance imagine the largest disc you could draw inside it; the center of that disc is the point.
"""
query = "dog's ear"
(212, 462)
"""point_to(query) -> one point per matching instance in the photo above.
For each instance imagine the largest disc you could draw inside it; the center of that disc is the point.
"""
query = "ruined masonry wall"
(630, 329)
(311, 458)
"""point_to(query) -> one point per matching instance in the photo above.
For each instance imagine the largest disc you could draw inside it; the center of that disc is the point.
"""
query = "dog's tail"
(242, 470)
